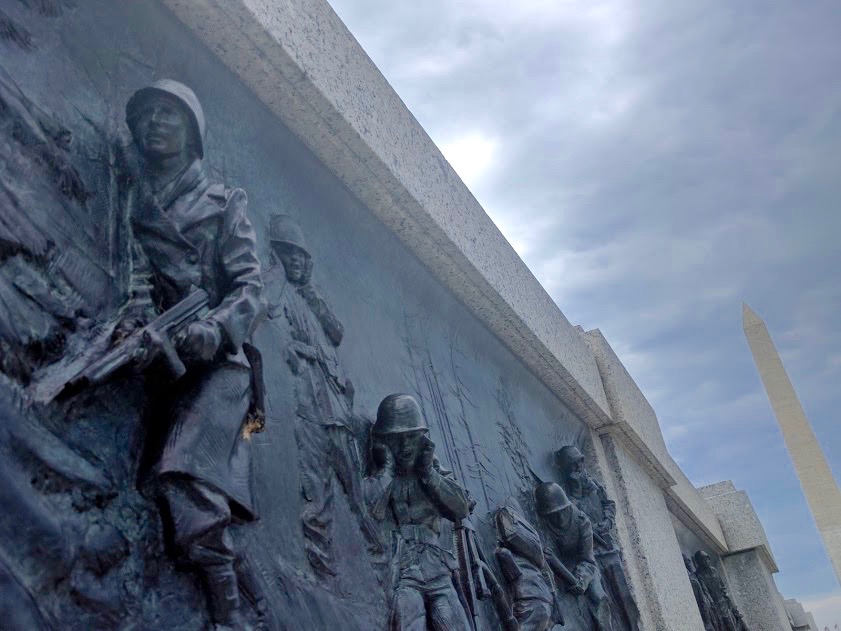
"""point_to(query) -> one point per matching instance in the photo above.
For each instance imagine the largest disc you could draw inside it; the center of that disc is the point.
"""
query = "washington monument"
(812, 468)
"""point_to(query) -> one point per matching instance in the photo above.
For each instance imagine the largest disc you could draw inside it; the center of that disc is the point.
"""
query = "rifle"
(560, 569)
(478, 581)
(133, 348)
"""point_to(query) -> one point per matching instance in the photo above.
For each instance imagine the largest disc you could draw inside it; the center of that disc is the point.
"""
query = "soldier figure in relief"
(189, 232)
(725, 611)
(590, 497)
(411, 488)
(569, 550)
(702, 597)
(524, 568)
(323, 394)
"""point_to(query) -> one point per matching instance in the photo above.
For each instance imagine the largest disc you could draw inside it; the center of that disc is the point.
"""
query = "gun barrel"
(169, 322)
(561, 570)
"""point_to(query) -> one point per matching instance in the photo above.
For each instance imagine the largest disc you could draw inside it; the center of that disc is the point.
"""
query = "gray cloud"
(655, 163)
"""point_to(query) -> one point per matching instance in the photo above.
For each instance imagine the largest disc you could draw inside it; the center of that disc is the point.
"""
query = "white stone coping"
(739, 521)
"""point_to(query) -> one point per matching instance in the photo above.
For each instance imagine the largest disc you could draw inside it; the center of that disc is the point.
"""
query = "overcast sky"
(656, 163)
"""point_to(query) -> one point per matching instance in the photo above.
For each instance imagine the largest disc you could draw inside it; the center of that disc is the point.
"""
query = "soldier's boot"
(223, 594)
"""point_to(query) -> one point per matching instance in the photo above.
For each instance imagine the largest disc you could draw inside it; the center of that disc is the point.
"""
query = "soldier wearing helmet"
(589, 496)
(417, 493)
(569, 550)
(727, 615)
(190, 232)
(523, 563)
(311, 333)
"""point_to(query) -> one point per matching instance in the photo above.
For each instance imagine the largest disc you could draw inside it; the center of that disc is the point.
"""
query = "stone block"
(801, 620)
(754, 591)
(637, 426)
(651, 545)
(739, 521)
(687, 504)
(630, 410)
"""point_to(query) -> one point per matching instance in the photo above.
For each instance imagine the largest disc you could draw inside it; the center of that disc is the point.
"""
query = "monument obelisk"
(819, 486)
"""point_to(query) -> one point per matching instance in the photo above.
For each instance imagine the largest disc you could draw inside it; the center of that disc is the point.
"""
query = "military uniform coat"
(194, 233)
(574, 546)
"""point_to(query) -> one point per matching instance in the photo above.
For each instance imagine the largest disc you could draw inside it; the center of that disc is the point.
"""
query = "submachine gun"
(477, 579)
(134, 347)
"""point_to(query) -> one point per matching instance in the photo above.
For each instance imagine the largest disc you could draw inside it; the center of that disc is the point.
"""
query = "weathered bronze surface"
(591, 498)
(722, 611)
(569, 550)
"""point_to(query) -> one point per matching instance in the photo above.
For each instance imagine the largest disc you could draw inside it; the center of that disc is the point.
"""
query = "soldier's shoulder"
(225, 195)
(581, 517)
(232, 201)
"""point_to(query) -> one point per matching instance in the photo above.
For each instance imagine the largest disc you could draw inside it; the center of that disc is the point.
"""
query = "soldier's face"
(560, 518)
(294, 263)
(576, 469)
(406, 448)
(163, 128)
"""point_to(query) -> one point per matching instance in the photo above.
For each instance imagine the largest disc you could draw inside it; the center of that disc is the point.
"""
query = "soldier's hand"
(151, 347)
(304, 350)
(293, 361)
(200, 341)
(576, 588)
(383, 458)
(125, 328)
(426, 457)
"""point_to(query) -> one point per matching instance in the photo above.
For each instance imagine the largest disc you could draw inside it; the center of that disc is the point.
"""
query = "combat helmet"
(399, 414)
(184, 95)
(550, 498)
(283, 230)
(568, 455)
(702, 559)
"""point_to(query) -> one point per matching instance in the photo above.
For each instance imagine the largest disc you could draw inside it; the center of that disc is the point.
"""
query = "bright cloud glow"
(471, 155)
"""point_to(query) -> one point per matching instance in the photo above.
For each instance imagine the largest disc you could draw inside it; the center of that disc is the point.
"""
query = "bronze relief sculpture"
(726, 616)
(412, 490)
(525, 570)
(569, 550)
(702, 596)
(190, 233)
(590, 497)
(323, 394)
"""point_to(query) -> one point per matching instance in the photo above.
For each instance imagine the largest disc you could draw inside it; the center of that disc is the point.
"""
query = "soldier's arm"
(333, 329)
(585, 569)
(510, 571)
(377, 488)
(447, 494)
(139, 309)
(239, 311)
(608, 505)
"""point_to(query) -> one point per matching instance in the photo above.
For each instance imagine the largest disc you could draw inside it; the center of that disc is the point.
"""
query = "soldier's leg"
(614, 575)
(533, 614)
(446, 613)
(347, 464)
(199, 517)
(316, 488)
(408, 612)
(601, 604)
